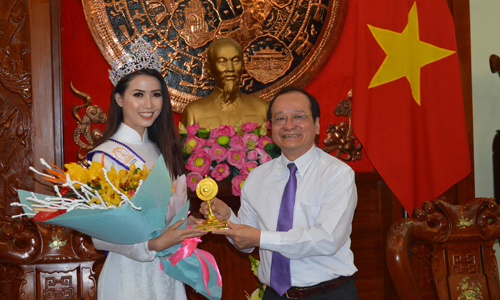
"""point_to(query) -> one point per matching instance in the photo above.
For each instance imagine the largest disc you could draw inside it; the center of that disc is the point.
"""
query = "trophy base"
(211, 226)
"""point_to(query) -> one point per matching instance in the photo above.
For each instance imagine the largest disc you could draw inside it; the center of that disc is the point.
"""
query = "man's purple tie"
(281, 277)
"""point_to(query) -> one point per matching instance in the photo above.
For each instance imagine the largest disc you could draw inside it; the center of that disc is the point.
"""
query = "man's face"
(226, 64)
(293, 139)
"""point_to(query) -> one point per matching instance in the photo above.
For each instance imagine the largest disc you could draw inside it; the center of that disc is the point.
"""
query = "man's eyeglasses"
(297, 118)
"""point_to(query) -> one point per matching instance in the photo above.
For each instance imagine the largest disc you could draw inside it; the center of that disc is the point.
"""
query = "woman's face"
(141, 102)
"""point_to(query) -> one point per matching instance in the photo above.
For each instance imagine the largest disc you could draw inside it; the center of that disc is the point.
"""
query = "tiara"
(141, 56)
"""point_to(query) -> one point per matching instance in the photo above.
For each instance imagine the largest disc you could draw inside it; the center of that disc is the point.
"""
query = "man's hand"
(243, 236)
(193, 221)
(219, 208)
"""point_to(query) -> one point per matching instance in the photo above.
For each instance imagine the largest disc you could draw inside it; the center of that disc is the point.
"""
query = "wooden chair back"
(445, 252)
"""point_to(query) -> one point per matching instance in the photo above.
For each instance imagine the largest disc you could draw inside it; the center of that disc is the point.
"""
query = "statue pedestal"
(234, 266)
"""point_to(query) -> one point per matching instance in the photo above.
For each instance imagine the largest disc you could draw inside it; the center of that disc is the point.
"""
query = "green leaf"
(272, 149)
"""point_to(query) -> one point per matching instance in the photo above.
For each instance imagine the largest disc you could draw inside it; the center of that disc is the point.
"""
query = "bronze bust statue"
(226, 105)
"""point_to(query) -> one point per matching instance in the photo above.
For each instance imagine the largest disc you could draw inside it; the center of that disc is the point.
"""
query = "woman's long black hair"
(162, 132)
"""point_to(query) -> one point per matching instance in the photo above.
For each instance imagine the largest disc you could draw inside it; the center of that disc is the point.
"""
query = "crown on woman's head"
(141, 56)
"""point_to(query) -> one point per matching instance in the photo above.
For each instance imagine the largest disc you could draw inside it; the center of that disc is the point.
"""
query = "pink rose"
(237, 143)
(237, 183)
(252, 155)
(249, 127)
(220, 172)
(192, 129)
(226, 130)
(218, 153)
(250, 140)
(264, 141)
(200, 162)
(192, 180)
(236, 158)
(247, 167)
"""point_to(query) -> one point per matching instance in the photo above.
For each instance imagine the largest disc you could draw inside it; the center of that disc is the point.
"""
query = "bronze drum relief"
(285, 42)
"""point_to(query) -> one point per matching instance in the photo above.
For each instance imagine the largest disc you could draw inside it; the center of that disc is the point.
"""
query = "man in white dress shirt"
(316, 261)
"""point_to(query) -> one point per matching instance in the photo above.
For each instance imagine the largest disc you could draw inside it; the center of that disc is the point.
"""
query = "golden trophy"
(206, 190)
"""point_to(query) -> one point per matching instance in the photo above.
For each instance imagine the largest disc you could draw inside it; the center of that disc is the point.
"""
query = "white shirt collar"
(302, 163)
(129, 135)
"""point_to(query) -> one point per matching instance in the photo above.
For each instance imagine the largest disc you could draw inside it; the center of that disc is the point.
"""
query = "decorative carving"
(58, 287)
(57, 242)
(463, 223)
(93, 114)
(421, 264)
(267, 59)
(11, 277)
(285, 42)
(469, 290)
(457, 250)
(83, 247)
(19, 241)
(25, 255)
(464, 264)
(340, 137)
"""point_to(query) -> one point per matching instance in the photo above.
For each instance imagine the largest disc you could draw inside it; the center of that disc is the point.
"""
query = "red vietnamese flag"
(407, 108)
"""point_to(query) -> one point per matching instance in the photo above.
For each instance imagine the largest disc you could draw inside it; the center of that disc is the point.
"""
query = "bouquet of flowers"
(124, 207)
(226, 152)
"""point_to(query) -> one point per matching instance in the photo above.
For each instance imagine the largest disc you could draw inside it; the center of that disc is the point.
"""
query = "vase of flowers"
(226, 152)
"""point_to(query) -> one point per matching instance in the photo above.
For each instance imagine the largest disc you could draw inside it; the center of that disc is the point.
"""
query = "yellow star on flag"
(406, 54)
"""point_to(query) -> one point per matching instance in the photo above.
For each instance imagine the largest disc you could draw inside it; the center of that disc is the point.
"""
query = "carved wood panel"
(16, 128)
(32, 266)
(19, 241)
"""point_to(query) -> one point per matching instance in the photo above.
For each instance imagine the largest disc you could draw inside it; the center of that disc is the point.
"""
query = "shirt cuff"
(268, 239)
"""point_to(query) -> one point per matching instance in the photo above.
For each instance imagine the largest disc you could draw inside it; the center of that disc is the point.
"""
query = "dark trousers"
(347, 291)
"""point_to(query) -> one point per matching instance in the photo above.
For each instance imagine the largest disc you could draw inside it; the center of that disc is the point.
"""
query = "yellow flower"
(77, 173)
(126, 181)
(95, 171)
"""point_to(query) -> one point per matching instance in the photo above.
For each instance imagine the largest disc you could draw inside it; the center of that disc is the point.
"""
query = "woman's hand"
(173, 236)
